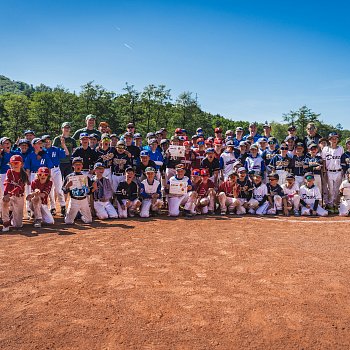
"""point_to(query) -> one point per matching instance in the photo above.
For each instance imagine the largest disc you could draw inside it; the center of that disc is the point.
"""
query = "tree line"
(44, 109)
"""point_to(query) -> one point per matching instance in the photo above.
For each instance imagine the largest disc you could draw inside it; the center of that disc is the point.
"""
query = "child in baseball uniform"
(291, 190)
(275, 195)
(310, 198)
(258, 204)
(14, 183)
(151, 194)
(178, 188)
(38, 197)
(103, 195)
(331, 156)
(245, 190)
(79, 186)
(228, 193)
(344, 191)
(127, 195)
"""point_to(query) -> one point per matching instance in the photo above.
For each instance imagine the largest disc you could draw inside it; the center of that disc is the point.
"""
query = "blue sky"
(246, 60)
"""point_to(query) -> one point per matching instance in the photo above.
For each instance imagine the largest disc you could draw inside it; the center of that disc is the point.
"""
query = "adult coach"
(89, 129)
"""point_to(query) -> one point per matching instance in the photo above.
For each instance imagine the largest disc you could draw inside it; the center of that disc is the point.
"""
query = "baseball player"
(120, 161)
(178, 188)
(134, 150)
(56, 154)
(314, 164)
(88, 154)
(212, 164)
(199, 153)
(227, 159)
(254, 161)
(203, 192)
(150, 192)
(281, 164)
(103, 195)
(105, 155)
(189, 158)
(276, 197)
(310, 198)
(344, 190)
(228, 193)
(298, 164)
(14, 183)
(291, 190)
(127, 195)
(145, 163)
(258, 204)
(345, 158)
(245, 190)
(270, 151)
(331, 156)
(41, 188)
(79, 186)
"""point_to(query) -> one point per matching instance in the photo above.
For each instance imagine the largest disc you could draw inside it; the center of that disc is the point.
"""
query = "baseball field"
(162, 283)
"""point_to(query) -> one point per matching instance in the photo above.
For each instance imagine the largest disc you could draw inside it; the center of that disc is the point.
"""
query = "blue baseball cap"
(83, 134)
(144, 153)
(29, 132)
(36, 140)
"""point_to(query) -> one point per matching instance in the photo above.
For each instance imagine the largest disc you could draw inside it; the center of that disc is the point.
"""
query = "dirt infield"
(208, 283)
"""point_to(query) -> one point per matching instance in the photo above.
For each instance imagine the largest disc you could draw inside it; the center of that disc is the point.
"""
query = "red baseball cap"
(208, 142)
(218, 130)
(44, 170)
(204, 172)
(187, 143)
(178, 131)
(217, 141)
(196, 172)
(16, 158)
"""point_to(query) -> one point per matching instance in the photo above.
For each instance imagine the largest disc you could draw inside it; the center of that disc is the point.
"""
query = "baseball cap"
(274, 176)
(199, 130)
(348, 171)
(261, 139)
(113, 135)
(159, 132)
(230, 143)
(98, 165)
(16, 158)
(150, 169)
(105, 137)
(187, 143)
(239, 128)
(65, 125)
(130, 125)
(204, 172)
(163, 129)
(232, 173)
(254, 146)
(83, 135)
(299, 144)
(77, 160)
(121, 143)
(150, 141)
(228, 132)
(272, 140)
(44, 137)
(137, 136)
(36, 140)
(44, 170)
(256, 173)
(129, 168)
(309, 176)
(219, 129)
(93, 136)
(3, 139)
(144, 153)
(174, 138)
(333, 134)
(151, 135)
(208, 142)
(217, 142)
(22, 141)
(163, 141)
(290, 176)
(128, 134)
(252, 124)
(196, 172)
(347, 140)
(194, 137)
(201, 142)
(178, 131)
(242, 143)
(26, 132)
(242, 169)
(180, 167)
(90, 116)
(292, 128)
(312, 145)
(209, 150)
(289, 138)
(266, 125)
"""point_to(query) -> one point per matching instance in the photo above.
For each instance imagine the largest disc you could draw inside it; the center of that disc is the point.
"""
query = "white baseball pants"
(41, 211)
(57, 183)
(227, 202)
(147, 205)
(123, 213)
(105, 210)
(16, 204)
(75, 205)
(175, 202)
(344, 207)
(334, 181)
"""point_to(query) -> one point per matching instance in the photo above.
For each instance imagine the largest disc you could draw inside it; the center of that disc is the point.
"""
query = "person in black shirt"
(275, 195)
(212, 164)
(88, 155)
(245, 190)
(105, 154)
(145, 163)
(132, 149)
(127, 195)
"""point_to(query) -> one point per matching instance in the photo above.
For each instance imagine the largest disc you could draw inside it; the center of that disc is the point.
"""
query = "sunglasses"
(271, 143)
(284, 148)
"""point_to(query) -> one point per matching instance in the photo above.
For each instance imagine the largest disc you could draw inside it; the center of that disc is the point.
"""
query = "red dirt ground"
(200, 283)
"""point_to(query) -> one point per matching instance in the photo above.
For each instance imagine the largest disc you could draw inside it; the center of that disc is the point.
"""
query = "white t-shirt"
(332, 157)
(290, 191)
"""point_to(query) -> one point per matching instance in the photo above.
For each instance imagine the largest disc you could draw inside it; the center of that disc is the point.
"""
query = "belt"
(118, 174)
(78, 199)
(334, 171)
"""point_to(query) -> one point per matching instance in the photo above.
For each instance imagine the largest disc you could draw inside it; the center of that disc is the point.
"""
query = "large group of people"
(95, 173)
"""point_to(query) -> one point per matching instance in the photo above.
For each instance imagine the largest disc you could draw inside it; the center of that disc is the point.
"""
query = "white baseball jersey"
(290, 191)
(260, 192)
(332, 157)
(150, 189)
(226, 162)
(310, 195)
(345, 186)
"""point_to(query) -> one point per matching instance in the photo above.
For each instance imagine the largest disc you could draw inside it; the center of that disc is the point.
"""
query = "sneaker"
(29, 214)
(296, 213)
(231, 212)
(5, 228)
(251, 211)
(188, 213)
(131, 213)
(211, 212)
(63, 211)
(37, 223)
(53, 212)
(223, 212)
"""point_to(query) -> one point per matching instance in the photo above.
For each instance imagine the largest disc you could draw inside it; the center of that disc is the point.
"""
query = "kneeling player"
(228, 194)
(310, 198)
(150, 191)
(205, 194)
(245, 191)
(103, 195)
(344, 191)
(127, 195)
(178, 187)
(275, 195)
(258, 204)
(291, 190)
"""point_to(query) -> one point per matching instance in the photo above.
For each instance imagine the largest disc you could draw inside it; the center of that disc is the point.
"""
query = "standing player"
(281, 164)
(314, 165)
(310, 198)
(227, 159)
(331, 156)
(298, 164)
(105, 155)
(120, 162)
(212, 164)
(254, 161)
